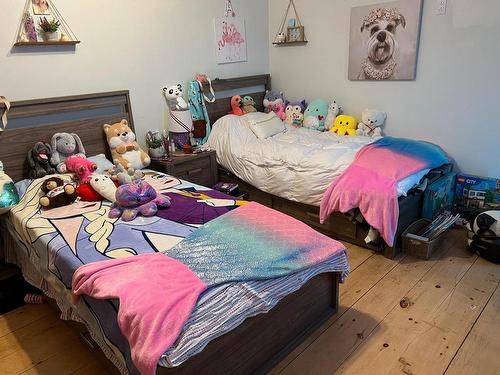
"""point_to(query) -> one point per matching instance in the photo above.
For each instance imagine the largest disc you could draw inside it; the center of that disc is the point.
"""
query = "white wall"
(129, 44)
(455, 99)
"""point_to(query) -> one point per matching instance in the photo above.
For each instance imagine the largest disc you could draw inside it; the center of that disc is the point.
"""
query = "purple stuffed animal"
(137, 198)
(294, 112)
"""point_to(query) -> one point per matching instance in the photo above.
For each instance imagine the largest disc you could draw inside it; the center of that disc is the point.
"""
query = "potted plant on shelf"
(154, 142)
(50, 29)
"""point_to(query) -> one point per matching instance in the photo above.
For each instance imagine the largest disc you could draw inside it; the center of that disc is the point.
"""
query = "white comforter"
(298, 164)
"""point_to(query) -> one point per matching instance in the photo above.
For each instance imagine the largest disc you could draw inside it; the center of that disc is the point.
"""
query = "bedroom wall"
(454, 100)
(132, 45)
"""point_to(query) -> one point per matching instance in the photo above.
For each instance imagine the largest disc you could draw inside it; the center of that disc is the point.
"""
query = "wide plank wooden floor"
(402, 316)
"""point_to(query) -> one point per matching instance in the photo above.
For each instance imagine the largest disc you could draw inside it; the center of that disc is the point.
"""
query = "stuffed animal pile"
(122, 185)
(319, 115)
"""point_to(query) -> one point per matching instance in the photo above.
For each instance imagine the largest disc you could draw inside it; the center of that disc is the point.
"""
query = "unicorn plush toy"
(333, 111)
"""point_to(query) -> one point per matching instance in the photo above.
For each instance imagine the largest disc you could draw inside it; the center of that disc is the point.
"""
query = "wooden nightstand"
(199, 168)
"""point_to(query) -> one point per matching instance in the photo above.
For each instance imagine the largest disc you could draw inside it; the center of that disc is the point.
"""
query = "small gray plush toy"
(124, 176)
(65, 145)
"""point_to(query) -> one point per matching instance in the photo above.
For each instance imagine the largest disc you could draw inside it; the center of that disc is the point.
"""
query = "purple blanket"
(369, 183)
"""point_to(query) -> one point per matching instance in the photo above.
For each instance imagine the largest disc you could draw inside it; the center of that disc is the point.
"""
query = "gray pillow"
(103, 164)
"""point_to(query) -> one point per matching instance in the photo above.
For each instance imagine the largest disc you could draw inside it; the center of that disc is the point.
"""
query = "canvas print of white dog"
(384, 41)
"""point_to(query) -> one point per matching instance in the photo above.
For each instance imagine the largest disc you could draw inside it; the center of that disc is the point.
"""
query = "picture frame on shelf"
(41, 7)
(295, 34)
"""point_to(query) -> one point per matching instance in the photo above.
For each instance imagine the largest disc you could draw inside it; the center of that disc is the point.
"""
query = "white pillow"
(103, 164)
(266, 126)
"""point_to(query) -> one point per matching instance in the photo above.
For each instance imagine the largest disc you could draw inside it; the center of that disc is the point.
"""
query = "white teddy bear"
(371, 122)
(175, 101)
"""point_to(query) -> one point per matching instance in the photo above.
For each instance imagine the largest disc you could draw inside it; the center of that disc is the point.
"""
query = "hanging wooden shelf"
(28, 34)
(297, 43)
(294, 34)
(60, 43)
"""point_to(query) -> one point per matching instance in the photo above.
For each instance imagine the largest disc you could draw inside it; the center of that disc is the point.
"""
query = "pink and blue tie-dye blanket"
(369, 183)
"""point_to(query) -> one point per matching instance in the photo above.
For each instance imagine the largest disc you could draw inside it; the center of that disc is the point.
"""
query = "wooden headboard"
(36, 120)
(222, 105)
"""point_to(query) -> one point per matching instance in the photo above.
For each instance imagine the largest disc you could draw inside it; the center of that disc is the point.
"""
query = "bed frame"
(259, 342)
(337, 225)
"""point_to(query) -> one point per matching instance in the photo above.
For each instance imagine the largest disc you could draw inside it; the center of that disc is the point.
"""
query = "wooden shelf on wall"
(65, 43)
(289, 44)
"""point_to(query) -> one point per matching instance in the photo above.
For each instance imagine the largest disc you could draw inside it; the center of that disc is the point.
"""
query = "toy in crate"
(438, 196)
(473, 192)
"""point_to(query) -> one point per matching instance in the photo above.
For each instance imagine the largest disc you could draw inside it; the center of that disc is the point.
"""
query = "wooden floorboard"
(480, 351)
(357, 256)
(403, 316)
(391, 346)
(22, 316)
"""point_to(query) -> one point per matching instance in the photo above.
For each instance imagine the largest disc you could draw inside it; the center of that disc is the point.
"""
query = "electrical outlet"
(441, 7)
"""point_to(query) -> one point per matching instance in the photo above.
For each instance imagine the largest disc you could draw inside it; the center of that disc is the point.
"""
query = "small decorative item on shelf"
(50, 29)
(295, 34)
(64, 38)
(154, 141)
(29, 28)
(280, 38)
(290, 32)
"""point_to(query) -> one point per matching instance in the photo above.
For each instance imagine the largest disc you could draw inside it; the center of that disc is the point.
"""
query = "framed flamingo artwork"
(230, 40)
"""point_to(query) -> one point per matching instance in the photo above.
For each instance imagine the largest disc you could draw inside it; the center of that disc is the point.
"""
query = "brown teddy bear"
(57, 193)
(124, 148)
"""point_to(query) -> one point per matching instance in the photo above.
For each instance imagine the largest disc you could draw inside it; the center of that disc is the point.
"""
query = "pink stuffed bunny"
(81, 167)
(279, 109)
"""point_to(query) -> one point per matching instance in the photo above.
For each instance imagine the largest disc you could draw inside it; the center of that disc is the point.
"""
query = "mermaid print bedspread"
(61, 240)
(369, 183)
(78, 237)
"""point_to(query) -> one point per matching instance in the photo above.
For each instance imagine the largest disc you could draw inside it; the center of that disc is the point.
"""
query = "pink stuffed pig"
(81, 167)
(279, 109)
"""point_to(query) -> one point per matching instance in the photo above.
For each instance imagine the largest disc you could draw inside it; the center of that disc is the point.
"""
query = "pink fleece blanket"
(153, 312)
(369, 183)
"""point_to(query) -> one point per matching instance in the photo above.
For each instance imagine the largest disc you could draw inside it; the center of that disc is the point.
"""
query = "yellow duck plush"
(344, 125)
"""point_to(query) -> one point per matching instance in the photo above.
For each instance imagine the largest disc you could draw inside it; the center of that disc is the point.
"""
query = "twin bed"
(228, 331)
(290, 172)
